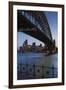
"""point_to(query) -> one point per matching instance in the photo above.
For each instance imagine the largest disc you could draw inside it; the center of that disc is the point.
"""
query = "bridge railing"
(33, 71)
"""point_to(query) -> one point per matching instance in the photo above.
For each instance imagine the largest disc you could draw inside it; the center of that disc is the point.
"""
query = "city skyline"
(52, 20)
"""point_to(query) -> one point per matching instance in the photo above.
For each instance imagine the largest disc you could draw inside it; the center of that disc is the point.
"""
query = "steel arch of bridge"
(35, 23)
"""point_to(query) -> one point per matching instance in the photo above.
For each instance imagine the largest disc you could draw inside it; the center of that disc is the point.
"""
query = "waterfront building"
(36, 48)
(33, 47)
(25, 43)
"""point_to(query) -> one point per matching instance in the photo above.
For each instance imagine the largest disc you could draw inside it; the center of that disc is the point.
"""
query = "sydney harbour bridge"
(35, 24)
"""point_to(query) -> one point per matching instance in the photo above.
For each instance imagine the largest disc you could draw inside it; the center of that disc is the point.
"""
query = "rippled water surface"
(39, 60)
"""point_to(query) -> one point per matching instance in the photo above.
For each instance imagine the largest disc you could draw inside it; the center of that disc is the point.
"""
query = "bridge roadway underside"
(23, 23)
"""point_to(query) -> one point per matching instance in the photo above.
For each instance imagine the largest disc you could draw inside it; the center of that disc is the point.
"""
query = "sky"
(52, 18)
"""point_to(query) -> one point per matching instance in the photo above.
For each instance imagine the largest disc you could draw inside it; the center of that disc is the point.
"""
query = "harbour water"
(36, 65)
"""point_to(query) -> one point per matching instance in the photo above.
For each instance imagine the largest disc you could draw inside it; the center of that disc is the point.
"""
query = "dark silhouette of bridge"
(35, 24)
